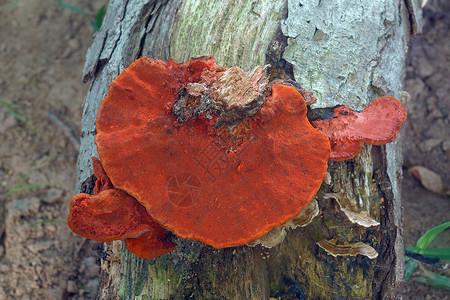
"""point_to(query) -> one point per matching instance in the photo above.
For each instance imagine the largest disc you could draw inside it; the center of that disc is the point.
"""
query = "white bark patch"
(335, 49)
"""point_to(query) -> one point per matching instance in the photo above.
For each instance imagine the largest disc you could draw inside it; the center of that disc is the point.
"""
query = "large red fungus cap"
(112, 214)
(379, 123)
(205, 165)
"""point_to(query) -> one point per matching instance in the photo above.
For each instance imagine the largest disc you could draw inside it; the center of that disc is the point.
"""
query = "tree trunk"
(345, 52)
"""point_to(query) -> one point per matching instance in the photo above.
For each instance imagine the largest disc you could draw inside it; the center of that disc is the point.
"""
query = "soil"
(426, 137)
(42, 52)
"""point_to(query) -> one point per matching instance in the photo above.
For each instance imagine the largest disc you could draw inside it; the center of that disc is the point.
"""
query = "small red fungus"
(151, 244)
(109, 216)
(112, 214)
(379, 123)
(210, 155)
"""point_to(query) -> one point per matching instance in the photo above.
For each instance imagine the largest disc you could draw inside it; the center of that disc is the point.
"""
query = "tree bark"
(345, 52)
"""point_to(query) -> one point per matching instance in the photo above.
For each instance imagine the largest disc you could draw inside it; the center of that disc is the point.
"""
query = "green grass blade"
(29, 186)
(86, 288)
(22, 180)
(11, 108)
(441, 253)
(24, 120)
(410, 268)
(429, 236)
(9, 105)
(78, 10)
(48, 222)
(99, 17)
(13, 5)
(74, 8)
(434, 280)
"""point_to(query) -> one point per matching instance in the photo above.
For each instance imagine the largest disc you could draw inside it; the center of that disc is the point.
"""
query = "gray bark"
(345, 52)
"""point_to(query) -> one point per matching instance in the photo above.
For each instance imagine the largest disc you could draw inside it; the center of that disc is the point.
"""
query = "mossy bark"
(247, 33)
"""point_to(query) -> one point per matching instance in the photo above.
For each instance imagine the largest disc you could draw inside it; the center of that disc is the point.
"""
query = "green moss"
(141, 277)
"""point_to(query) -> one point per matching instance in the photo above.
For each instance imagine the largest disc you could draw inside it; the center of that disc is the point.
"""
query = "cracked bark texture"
(345, 52)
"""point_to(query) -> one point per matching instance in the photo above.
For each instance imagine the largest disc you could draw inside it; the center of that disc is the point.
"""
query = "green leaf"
(441, 253)
(429, 236)
(410, 268)
(435, 280)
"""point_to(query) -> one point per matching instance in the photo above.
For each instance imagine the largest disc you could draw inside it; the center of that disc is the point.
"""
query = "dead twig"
(66, 130)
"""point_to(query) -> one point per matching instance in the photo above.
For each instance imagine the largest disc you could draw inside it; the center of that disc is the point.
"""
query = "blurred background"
(43, 45)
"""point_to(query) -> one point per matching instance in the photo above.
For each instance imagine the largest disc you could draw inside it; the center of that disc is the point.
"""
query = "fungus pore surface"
(214, 154)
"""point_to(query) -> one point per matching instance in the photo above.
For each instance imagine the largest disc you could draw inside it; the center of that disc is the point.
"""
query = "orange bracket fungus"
(211, 153)
(379, 123)
(112, 214)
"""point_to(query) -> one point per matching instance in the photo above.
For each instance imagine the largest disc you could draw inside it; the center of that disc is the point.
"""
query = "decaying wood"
(345, 52)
